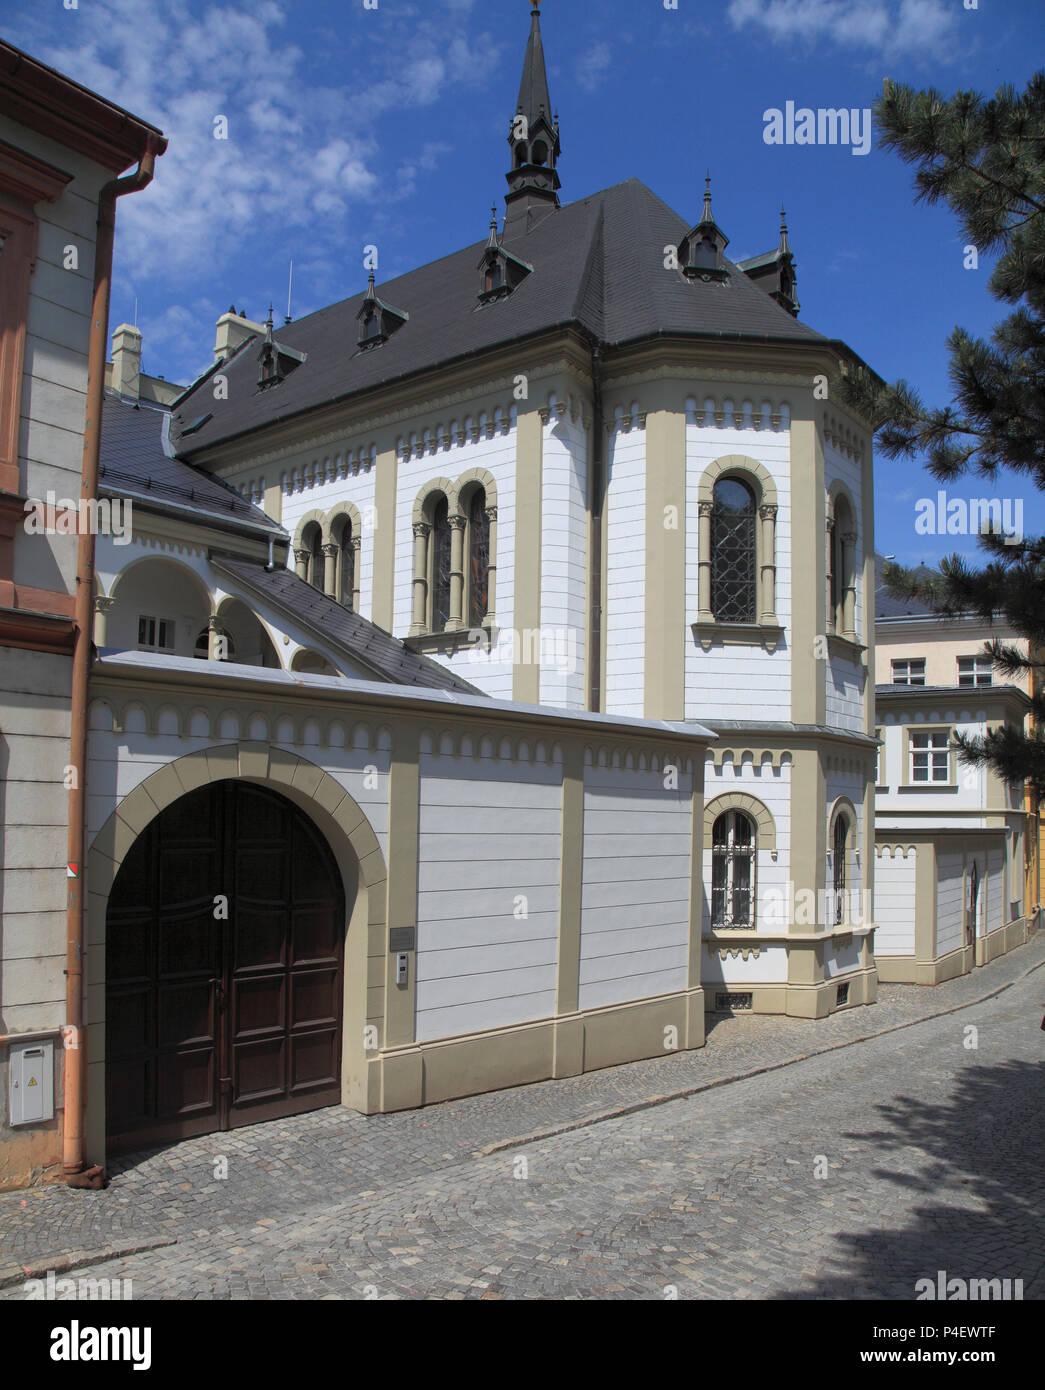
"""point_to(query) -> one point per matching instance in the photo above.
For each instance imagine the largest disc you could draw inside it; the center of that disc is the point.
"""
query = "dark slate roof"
(133, 464)
(886, 606)
(598, 263)
(340, 629)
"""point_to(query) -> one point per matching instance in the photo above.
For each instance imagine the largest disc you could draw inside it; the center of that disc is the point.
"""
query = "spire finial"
(493, 226)
(785, 245)
(706, 215)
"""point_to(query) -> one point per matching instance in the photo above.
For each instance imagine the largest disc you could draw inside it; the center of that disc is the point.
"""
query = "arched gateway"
(225, 934)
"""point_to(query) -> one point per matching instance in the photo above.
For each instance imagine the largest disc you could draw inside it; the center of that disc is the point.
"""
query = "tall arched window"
(346, 561)
(840, 847)
(440, 563)
(842, 565)
(733, 870)
(734, 572)
(478, 559)
(312, 545)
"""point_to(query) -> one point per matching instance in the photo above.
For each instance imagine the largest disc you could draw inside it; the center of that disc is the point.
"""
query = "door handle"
(219, 991)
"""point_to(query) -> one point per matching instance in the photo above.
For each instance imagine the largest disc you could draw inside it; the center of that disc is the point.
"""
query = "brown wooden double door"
(224, 952)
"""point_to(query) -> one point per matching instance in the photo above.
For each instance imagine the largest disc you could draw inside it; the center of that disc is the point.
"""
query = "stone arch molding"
(737, 463)
(452, 490)
(315, 790)
(741, 801)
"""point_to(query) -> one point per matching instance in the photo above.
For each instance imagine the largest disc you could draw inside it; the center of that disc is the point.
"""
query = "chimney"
(233, 329)
(126, 361)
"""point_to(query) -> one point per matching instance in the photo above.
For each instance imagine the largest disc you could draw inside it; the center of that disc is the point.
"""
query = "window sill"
(839, 645)
(456, 640)
(928, 787)
(766, 635)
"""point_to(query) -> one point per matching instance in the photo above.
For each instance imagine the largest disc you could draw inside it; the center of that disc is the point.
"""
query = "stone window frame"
(765, 839)
(908, 783)
(331, 549)
(843, 809)
(906, 661)
(458, 494)
(766, 630)
(842, 533)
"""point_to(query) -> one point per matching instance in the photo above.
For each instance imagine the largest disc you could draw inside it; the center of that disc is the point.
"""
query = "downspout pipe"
(598, 493)
(74, 1033)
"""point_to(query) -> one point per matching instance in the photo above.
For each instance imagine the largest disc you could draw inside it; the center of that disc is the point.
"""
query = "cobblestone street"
(930, 1149)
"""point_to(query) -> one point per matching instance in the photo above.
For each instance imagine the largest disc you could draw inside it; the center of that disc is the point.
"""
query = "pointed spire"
(533, 89)
(493, 242)
(785, 246)
(706, 214)
(268, 326)
(534, 140)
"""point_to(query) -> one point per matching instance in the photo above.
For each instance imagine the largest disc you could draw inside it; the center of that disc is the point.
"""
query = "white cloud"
(303, 157)
(594, 65)
(911, 28)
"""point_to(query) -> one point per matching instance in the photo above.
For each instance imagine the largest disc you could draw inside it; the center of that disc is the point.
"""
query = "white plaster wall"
(949, 890)
(564, 542)
(851, 785)
(735, 973)
(635, 896)
(894, 901)
(626, 573)
(489, 851)
(730, 682)
(120, 761)
(497, 455)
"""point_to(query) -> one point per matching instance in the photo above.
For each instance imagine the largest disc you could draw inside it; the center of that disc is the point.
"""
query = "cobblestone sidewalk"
(293, 1184)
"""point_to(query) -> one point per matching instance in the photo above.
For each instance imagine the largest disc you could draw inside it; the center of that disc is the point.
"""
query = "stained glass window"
(314, 545)
(841, 840)
(478, 559)
(733, 569)
(347, 564)
(733, 870)
(440, 566)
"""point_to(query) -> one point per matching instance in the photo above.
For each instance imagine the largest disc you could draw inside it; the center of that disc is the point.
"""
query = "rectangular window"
(930, 755)
(155, 634)
(909, 671)
(879, 767)
(975, 670)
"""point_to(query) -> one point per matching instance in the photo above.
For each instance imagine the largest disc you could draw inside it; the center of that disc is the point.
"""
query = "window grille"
(733, 552)
(479, 559)
(440, 566)
(733, 870)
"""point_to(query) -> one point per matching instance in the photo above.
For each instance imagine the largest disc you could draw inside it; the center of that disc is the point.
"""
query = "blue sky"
(351, 126)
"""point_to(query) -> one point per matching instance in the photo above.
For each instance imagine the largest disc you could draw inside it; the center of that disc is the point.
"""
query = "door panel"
(214, 1023)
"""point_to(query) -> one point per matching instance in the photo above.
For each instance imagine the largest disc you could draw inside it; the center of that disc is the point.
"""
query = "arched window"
(733, 870)
(478, 558)
(841, 559)
(346, 562)
(439, 608)
(734, 574)
(840, 847)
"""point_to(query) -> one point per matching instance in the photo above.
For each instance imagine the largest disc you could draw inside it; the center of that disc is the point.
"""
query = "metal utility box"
(31, 1081)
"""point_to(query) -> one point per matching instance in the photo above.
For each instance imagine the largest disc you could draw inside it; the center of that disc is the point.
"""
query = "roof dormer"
(499, 271)
(377, 320)
(701, 250)
(276, 360)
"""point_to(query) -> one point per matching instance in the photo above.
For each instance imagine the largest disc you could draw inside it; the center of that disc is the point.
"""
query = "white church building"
(485, 691)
